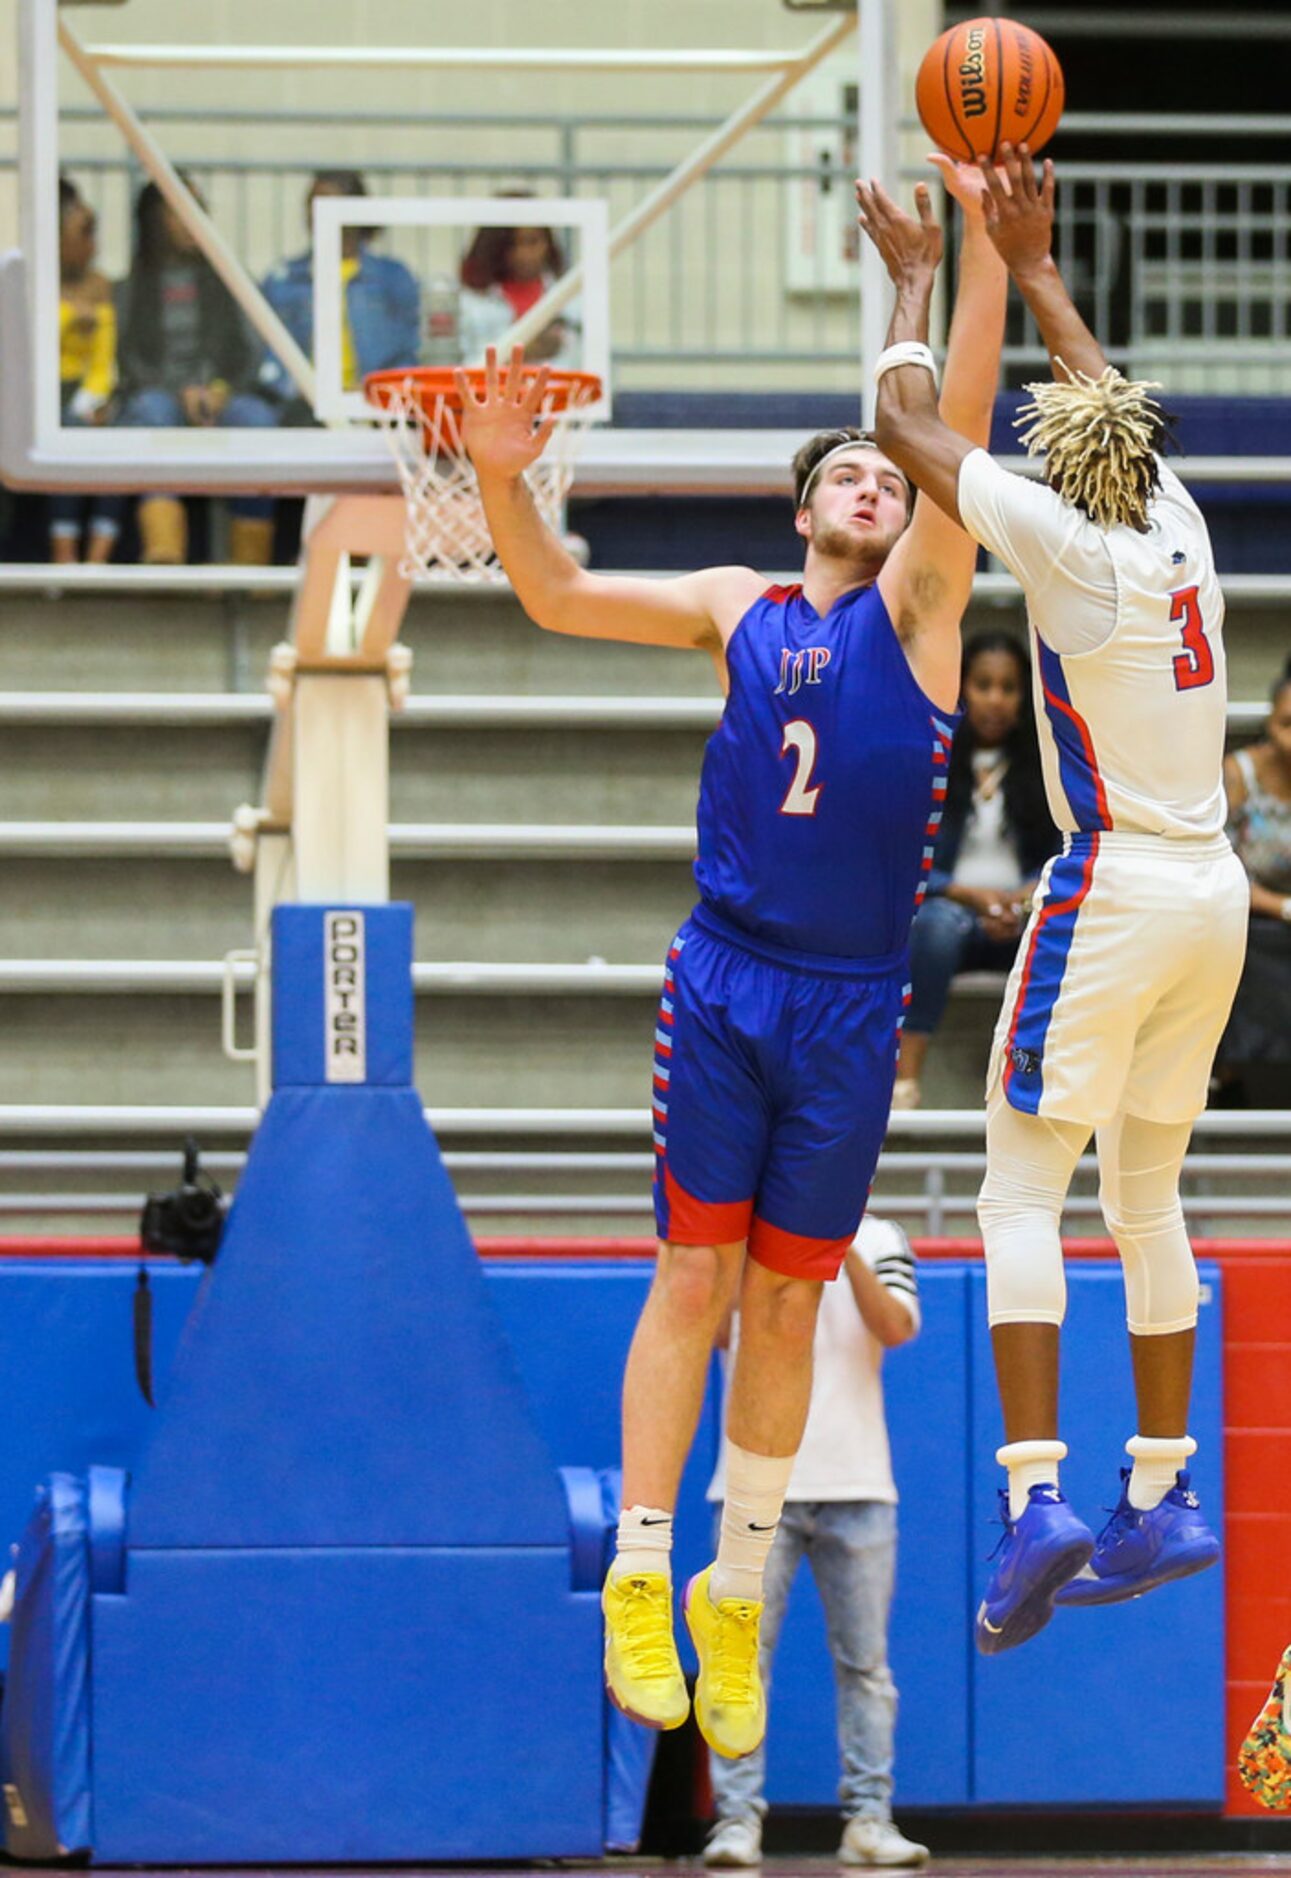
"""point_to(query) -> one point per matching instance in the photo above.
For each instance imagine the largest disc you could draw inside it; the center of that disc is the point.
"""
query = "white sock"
(1156, 1462)
(1029, 1464)
(644, 1542)
(755, 1490)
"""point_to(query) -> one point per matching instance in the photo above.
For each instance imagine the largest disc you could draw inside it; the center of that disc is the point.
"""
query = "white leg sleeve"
(1029, 1164)
(1138, 1167)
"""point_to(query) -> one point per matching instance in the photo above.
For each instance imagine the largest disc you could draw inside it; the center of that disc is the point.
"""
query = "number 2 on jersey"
(1195, 665)
(800, 798)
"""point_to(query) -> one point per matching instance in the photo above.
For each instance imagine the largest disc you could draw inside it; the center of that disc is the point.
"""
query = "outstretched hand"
(503, 427)
(910, 249)
(964, 183)
(1019, 218)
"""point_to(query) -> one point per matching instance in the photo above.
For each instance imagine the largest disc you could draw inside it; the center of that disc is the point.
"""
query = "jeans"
(851, 1546)
(947, 938)
(103, 514)
(155, 408)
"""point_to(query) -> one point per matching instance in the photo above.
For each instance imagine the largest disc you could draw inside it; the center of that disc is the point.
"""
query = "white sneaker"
(870, 1841)
(734, 1842)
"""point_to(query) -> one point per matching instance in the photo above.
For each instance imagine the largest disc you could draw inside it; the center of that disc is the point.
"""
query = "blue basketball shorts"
(773, 1075)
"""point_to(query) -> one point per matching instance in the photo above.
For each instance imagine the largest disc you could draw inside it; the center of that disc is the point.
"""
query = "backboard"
(457, 322)
(650, 222)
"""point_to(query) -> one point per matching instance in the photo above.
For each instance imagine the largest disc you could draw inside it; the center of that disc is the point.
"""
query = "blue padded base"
(45, 1725)
(343, 1378)
(343, 1705)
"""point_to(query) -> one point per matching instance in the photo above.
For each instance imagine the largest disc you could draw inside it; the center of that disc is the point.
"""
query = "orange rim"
(435, 386)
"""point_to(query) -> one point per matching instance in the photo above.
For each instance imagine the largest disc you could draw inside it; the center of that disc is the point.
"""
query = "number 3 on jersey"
(800, 797)
(1195, 665)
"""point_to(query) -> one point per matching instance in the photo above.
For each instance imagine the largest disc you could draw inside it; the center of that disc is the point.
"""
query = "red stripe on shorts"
(704, 1222)
(796, 1254)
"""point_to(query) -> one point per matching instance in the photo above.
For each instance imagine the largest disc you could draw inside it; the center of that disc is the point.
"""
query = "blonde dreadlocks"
(1099, 438)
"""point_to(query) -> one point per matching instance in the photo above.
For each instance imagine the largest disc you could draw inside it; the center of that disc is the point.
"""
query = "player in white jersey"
(1131, 958)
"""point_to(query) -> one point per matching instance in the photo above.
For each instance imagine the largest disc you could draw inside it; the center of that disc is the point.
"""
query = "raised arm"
(1019, 221)
(504, 433)
(928, 579)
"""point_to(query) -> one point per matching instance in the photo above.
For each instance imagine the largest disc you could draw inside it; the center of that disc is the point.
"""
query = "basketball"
(988, 82)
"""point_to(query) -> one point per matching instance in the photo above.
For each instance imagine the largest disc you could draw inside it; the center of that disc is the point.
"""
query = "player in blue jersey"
(1132, 954)
(783, 993)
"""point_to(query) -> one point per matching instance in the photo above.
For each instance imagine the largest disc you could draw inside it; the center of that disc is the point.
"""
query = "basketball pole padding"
(348, 1615)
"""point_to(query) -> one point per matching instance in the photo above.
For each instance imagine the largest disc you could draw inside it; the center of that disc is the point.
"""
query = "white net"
(447, 537)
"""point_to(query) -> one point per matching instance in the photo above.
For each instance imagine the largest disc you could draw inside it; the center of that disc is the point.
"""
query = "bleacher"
(542, 824)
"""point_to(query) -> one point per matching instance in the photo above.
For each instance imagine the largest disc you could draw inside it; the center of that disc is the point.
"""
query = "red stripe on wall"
(1257, 1505)
(1259, 1378)
(638, 1245)
(1256, 1549)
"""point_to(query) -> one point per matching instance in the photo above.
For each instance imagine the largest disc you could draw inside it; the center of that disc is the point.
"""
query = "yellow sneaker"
(730, 1705)
(642, 1672)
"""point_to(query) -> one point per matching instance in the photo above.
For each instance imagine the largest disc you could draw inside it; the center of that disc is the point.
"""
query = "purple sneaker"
(1138, 1549)
(1039, 1552)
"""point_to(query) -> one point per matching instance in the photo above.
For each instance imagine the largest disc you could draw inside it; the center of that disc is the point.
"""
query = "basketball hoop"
(419, 411)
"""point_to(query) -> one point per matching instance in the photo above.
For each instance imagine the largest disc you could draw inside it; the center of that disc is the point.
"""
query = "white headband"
(853, 443)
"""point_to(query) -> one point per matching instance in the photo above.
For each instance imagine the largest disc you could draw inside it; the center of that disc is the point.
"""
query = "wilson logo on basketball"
(972, 73)
(345, 1021)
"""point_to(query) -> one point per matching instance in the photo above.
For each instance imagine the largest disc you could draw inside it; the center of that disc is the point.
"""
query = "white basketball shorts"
(1124, 979)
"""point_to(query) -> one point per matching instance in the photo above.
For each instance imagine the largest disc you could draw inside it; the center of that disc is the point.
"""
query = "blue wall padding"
(571, 1324)
(426, 1703)
(71, 1399)
(343, 1379)
(927, 1386)
(1128, 1700)
(300, 1029)
(1208, 424)
(45, 1720)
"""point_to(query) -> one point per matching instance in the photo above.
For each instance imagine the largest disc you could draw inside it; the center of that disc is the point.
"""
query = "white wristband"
(1284, 911)
(905, 352)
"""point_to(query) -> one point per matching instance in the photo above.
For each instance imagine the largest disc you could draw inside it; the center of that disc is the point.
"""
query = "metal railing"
(558, 710)
(934, 1187)
(206, 977)
(220, 579)
(409, 841)
(216, 581)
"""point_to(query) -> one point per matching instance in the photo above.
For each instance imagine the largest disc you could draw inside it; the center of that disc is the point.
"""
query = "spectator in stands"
(381, 305)
(504, 272)
(995, 837)
(840, 1514)
(1255, 1056)
(87, 373)
(187, 356)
